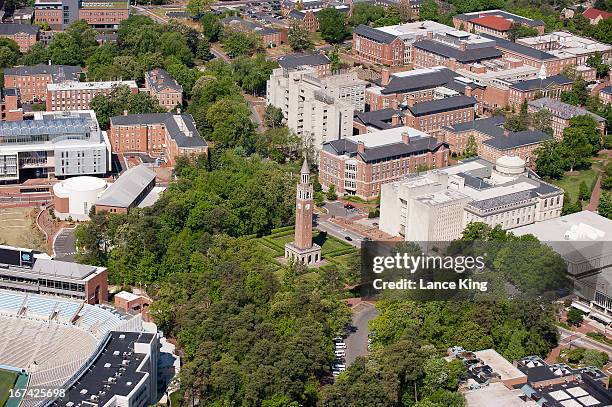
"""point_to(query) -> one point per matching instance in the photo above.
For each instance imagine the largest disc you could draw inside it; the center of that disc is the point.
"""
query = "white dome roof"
(508, 164)
(79, 184)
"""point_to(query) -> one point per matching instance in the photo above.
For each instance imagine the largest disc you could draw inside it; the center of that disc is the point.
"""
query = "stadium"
(57, 351)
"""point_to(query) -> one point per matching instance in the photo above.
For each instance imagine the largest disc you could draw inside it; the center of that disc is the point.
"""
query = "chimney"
(410, 100)
(385, 77)
(125, 112)
(430, 35)
(178, 110)
(468, 91)
(462, 46)
(405, 137)
(360, 147)
(396, 119)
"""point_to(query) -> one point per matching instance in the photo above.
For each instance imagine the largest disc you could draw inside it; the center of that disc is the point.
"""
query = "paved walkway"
(594, 203)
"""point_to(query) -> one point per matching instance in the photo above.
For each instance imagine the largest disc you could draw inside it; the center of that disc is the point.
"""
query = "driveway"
(338, 210)
(357, 341)
(339, 232)
(64, 245)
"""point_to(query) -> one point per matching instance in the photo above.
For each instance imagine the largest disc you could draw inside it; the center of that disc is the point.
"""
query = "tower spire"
(305, 172)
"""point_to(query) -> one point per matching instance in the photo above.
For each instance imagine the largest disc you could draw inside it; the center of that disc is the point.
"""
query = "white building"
(563, 44)
(438, 205)
(56, 144)
(318, 109)
(74, 197)
(584, 240)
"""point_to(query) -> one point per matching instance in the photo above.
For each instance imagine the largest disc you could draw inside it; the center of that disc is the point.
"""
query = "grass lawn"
(328, 243)
(7, 381)
(571, 183)
(18, 228)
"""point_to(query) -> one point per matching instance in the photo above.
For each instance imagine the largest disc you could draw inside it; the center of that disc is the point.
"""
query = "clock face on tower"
(299, 206)
(307, 206)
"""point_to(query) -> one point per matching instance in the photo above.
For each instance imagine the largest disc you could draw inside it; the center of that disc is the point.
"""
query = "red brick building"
(378, 47)
(420, 85)
(32, 80)
(359, 165)
(161, 135)
(438, 51)
(319, 62)
(24, 35)
(431, 116)
(10, 106)
(73, 95)
(561, 113)
(551, 87)
(59, 14)
(492, 139)
(605, 95)
(133, 304)
(164, 88)
(307, 18)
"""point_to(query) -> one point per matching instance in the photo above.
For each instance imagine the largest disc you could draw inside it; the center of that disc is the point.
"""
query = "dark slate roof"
(416, 146)
(56, 71)
(163, 80)
(562, 110)
(607, 89)
(442, 77)
(297, 60)
(374, 34)
(464, 56)
(519, 48)
(380, 119)
(500, 139)
(182, 139)
(442, 105)
(296, 15)
(534, 84)
(12, 29)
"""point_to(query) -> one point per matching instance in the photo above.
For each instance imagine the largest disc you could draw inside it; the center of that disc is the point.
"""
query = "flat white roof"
(581, 226)
(127, 296)
(498, 395)
(499, 364)
(389, 136)
(75, 85)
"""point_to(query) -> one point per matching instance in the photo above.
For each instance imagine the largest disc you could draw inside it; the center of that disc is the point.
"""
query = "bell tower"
(302, 249)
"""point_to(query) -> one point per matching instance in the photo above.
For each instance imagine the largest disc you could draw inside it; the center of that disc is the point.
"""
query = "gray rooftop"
(427, 80)
(380, 119)
(297, 60)
(535, 84)
(374, 34)
(63, 269)
(442, 105)
(562, 110)
(519, 48)
(124, 192)
(607, 89)
(57, 72)
(12, 29)
(500, 138)
(159, 79)
(463, 56)
(233, 21)
(187, 137)
(415, 147)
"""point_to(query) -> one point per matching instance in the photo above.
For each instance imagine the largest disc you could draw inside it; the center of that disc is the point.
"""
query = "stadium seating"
(45, 341)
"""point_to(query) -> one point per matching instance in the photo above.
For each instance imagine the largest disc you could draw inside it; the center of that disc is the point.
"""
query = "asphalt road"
(338, 210)
(357, 341)
(64, 245)
(339, 232)
(583, 341)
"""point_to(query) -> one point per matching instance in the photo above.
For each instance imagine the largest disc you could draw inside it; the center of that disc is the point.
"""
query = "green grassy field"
(571, 183)
(7, 381)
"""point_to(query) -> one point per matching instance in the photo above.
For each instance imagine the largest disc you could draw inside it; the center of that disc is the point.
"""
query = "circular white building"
(510, 164)
(74, 197)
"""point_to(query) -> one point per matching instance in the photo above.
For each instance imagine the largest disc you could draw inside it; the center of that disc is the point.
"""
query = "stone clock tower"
(302, 249)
